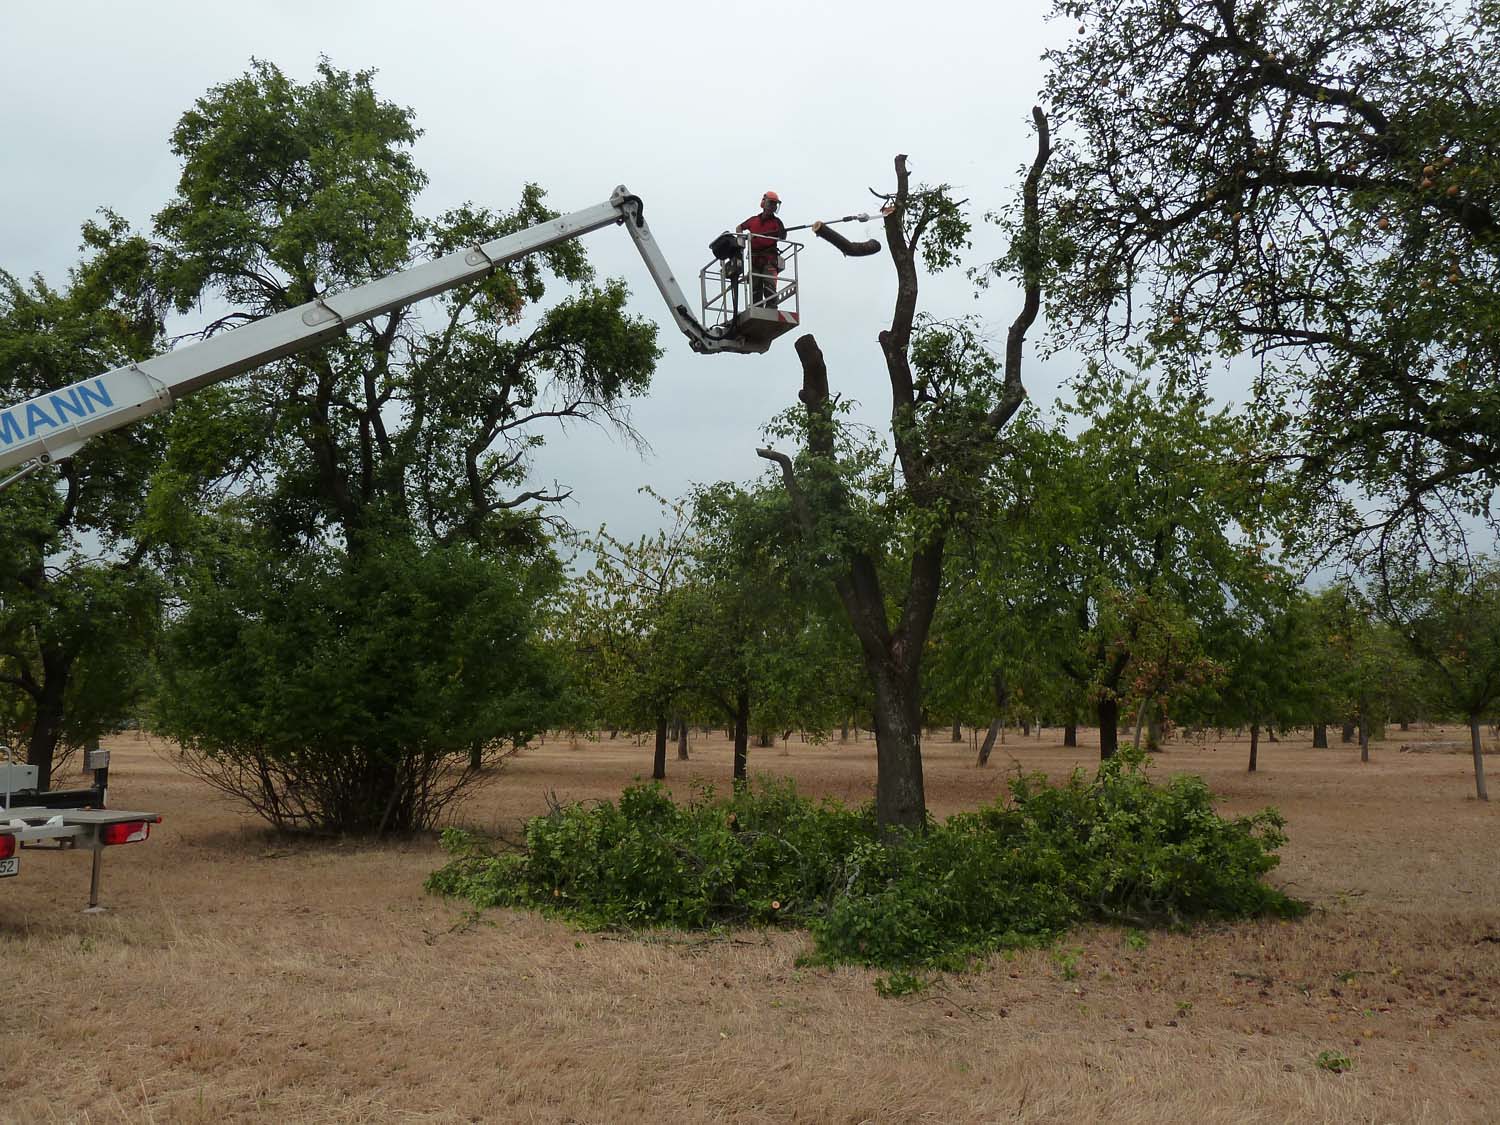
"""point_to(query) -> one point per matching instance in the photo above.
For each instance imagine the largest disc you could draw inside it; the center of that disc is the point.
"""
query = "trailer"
(34, 820)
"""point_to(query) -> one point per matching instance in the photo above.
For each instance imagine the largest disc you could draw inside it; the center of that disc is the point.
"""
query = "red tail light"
(130, 832)
(7, 846)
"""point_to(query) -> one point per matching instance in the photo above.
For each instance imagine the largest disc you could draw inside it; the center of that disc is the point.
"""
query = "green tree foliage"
(414, 422)
(1314, 185)
(374, 466)
(1138, 538)
(356, 693)
(765, 647)
(623, 623)
(1369, 665)
(1450, 616)
(79, 603)
(1268, 651)
(708, 616)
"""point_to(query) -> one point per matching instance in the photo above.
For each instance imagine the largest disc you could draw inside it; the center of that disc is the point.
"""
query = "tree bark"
(989, 742)
(659, 762)
(1109, 732)
(1070, 734)
(47, 726)
(958, 731)
(741, 735)
(1320, 736)
(1026, 728)
(900, 796)
(1364, 735)
(1153, 729)
(682, 740)
(1346, 733)
(1479, 787)
(1254, 744)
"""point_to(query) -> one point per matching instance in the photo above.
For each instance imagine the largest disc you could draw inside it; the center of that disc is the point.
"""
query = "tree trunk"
(1364, 736)
(1153, 729)
(741, 735)
(764, 740)
(46, 730)
(958, 731)
(1140, 721)
(659, 763)
(1025, 728)
(1479, 788)
(1320, 736)
(1254, 744)
(989, 743)
(844, 732)
(682, 740)
(1109, 733)
(1405, 724)
(900, 797)
(1346, 734)
(1070, 734)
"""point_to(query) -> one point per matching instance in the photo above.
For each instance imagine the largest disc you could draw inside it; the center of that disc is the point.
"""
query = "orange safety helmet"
(770, 197)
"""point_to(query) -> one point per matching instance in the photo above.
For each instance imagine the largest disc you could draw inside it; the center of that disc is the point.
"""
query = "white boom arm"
(55, 425)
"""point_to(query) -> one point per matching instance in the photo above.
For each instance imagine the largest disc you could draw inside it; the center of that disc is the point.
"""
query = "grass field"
(242, 976)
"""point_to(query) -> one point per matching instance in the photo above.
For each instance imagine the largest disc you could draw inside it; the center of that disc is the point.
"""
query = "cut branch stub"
(843, 245)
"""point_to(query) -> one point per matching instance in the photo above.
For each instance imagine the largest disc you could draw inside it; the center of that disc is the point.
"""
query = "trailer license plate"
(11, 866)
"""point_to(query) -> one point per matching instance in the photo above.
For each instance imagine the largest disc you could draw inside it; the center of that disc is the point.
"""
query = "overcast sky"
(698, 108)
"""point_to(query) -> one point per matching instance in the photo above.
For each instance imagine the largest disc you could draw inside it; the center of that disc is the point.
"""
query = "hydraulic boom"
(55, 425)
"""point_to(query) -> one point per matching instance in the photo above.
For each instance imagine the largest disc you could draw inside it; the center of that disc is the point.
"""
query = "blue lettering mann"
(21, 423)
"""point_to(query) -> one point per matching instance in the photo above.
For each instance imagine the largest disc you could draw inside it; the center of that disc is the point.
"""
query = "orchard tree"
(628, 620)
(1316, 187)
(1450, 615)
(763, 642)
(79, 601)
(884, 546)
(1369, 661)
(995, 641)
(1267, 652)
(412, 434)
(1147, 529)
(420, 421)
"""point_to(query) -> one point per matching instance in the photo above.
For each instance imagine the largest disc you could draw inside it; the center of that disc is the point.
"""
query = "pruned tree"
(950, 400)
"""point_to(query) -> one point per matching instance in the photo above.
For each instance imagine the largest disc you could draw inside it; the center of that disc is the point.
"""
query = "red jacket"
(759, 224)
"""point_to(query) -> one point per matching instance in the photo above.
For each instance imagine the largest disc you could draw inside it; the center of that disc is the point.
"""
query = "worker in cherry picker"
(765, 255)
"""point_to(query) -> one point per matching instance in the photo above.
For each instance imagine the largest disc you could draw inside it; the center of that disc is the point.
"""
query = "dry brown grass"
(242, 977)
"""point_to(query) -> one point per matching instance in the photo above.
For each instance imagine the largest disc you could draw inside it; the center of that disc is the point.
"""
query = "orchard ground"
(239, 975)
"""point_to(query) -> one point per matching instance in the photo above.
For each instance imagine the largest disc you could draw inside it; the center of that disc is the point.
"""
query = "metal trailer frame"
(48, 823)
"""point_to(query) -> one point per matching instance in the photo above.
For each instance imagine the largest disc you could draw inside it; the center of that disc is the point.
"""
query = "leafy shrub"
(358, 694)
(1014, 873)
